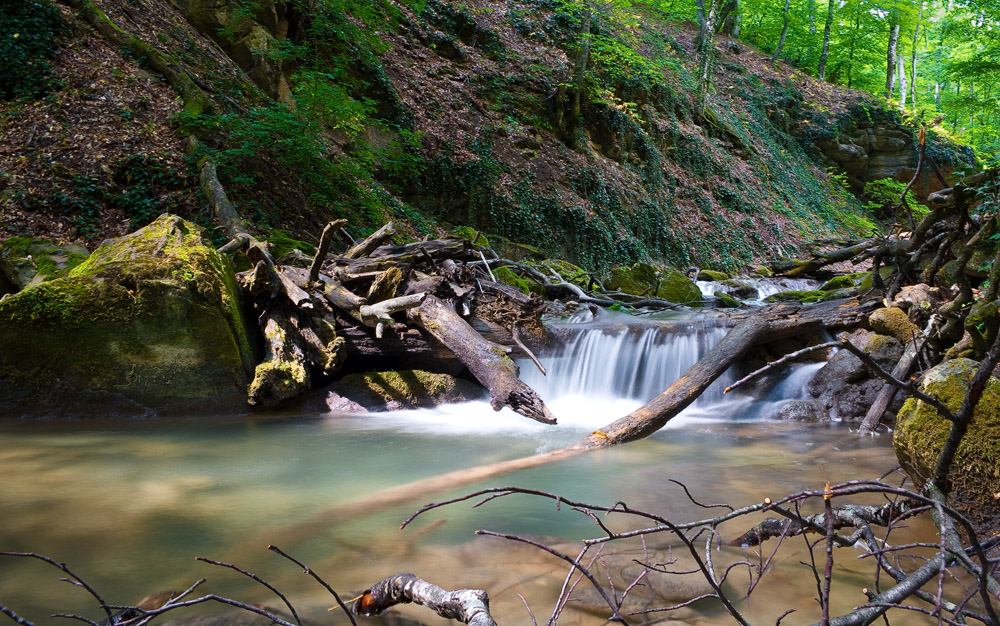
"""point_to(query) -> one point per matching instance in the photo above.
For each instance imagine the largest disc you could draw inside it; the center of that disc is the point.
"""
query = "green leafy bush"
(28, 32)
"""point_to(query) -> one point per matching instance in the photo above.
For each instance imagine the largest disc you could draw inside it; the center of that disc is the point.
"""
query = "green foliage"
(882, 199)
(29, 32)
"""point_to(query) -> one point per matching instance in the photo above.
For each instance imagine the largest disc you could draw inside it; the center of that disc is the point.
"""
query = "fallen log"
(487, 361)
(371, 242)
(469, 606)
(283, 373)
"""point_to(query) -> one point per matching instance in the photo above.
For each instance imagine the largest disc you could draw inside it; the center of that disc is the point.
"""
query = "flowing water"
(129, 505)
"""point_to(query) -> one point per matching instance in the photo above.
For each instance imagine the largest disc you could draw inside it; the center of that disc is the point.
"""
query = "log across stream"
(129, 506)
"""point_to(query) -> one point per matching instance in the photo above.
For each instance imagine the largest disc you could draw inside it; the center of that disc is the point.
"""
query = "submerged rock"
(920, 434)
(149, 324)
(397, 390)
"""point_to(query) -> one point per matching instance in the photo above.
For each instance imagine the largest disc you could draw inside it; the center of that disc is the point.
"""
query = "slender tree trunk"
(901, 67)
(784, 32)
(706, 50)
(821, 70)
(890, 56)
(913, 58)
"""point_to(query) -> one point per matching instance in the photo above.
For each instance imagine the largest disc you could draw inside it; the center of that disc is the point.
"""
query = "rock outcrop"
(844, 387)
(149, 324)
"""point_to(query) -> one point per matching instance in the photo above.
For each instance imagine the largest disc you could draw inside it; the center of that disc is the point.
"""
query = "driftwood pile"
(427, 301)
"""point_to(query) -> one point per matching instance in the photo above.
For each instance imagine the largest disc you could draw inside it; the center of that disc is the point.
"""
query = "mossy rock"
(839, 294)
(638, 279)
(846, 281)
(920, 434)
(399, 390)
(149, 324)
(712, 275)
(762, 272)
(739, 289)
(526, 285)
(804, 296)
(895, 322)
(674, 286)
(27, 261)
(471, 235)
(643, 279)
(570, 273)
(866, 284)
(726, 301)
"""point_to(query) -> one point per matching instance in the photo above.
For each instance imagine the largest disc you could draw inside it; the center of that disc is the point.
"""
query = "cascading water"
(623, 359)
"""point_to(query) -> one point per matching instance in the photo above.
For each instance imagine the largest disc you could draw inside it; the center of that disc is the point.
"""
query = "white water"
(765, 286)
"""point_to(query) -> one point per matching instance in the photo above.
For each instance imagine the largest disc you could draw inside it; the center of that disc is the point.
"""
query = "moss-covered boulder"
(26, 261)
(845, 281)
(525, 284)
(643, 279)
(867, 284)
(803, 296)
(920, 433)
(712, 275)
(894, 322)
(397, 390)
(149, 324)
(726, 301)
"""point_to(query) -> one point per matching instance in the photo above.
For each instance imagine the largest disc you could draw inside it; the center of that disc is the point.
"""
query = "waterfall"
(630, 361)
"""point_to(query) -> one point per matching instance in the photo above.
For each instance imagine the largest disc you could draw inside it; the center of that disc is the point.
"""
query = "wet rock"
(712, 275)
(844, 387)
(921, 296)
(739, 289)
(921, 432)
(149, 324)
(801, 411)
(726, 301)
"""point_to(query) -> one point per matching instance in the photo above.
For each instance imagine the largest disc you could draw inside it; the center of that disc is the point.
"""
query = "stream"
(129, 505)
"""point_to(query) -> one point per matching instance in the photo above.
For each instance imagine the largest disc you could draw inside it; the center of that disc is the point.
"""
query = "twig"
(779, 362)
(258, 579)
(307, 570)
(76, 580)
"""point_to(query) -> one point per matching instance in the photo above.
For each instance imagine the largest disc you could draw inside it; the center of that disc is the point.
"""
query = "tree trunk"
(784, 33)
(487, 361)
(890, 55)
(821, 70)
(913, 57)
(706, 51)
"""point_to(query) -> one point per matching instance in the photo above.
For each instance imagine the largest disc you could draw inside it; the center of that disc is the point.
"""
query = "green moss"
(406, 385)
(803, 296)
(846, 281)
(726, 301)
(920, 434)
(712, 275)
(676, 287)
(866, 283)
(893, 321)
(508, 276)
(471, 234)
(567, 271)
(638, 279)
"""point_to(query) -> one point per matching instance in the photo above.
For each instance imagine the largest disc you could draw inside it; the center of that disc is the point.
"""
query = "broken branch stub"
(469, 606)
(379, 314)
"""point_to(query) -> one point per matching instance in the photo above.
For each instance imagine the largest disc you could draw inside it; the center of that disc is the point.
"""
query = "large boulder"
(921, 432)
(149, 324)
(643, 279)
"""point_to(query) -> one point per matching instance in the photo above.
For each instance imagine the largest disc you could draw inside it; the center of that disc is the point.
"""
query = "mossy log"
(487, 361)
(283, 373)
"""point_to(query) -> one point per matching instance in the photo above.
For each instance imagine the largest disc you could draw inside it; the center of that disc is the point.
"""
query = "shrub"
(28, 32)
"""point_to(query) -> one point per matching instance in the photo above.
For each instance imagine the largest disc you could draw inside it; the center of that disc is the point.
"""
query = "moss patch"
(804, 296)
(921, 432)
(893, 321)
